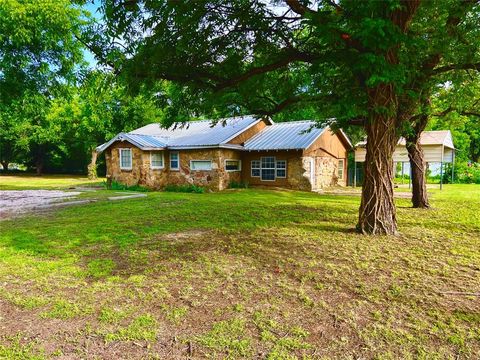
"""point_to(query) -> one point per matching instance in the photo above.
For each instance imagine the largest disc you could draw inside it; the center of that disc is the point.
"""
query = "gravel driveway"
(13, 202)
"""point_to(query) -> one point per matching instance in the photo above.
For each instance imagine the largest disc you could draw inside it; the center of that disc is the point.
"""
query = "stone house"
(293, 155)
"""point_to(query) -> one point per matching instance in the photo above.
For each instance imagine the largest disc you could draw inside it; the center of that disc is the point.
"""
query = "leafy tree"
(95, 112)
(350, 59)
(39, 54)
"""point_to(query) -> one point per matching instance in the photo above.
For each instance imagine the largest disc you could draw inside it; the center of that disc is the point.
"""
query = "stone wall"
(216, 179)
(142, 174)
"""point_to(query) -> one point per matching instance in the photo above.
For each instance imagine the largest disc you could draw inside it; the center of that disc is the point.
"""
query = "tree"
(352, 60)
(96, 111)
(39, 54)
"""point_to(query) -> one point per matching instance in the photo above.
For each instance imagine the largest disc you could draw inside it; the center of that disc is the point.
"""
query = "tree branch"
(292, 56)
(451, 67)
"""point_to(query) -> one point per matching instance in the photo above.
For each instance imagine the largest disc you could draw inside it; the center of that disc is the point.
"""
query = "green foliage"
(464, 173)
(115, 185)
(184, 188)
(238, 185)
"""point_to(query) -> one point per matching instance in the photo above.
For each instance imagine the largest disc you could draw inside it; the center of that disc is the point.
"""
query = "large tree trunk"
(417, 164)
(92, 167)
(377, 213)
(5, 165)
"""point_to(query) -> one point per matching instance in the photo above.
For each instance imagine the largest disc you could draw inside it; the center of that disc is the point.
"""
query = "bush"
(119, 186)
(465, 173)
(238, 185)
(185, 189)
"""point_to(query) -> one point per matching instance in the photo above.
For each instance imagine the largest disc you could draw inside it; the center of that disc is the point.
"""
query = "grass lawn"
(49, 182)
(240, 274)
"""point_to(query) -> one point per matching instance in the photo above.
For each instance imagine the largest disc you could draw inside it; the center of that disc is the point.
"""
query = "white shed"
(437, 148)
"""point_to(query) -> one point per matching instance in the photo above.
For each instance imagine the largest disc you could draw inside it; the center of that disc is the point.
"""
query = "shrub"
(119, 186)
(238, 185)
(185, 189)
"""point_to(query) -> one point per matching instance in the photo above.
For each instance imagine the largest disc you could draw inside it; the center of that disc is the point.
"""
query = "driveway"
(14, 202)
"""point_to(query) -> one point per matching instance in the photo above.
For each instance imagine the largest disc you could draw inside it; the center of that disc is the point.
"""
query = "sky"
(93, 8)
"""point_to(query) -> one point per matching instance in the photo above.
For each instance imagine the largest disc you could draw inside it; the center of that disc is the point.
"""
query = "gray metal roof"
(143, 142)
(198, 133)
(285, 136)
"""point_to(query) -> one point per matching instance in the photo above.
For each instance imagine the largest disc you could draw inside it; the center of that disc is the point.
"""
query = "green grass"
(241, 274)
(48, 182)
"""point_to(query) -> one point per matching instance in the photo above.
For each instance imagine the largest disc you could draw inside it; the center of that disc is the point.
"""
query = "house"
(294, 155)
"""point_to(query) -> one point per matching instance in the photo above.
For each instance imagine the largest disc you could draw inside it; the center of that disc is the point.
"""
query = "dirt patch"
(15, 202)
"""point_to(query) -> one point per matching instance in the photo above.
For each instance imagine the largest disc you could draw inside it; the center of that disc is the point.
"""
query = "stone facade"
(142, 174)
(313, 168)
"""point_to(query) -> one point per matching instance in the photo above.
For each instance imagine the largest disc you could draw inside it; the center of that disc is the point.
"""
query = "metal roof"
(285, 136)
(143, 142)
(199, 133)
(437, 137)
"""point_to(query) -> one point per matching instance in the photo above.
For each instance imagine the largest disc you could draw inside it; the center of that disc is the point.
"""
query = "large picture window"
(174, 160)
(268, 168)
(255, 167)
(156, 160)
(126, 159)
(200, 165)
(341, 167)
(281, 168)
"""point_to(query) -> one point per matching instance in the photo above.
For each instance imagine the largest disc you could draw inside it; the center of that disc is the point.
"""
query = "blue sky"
(93, 8)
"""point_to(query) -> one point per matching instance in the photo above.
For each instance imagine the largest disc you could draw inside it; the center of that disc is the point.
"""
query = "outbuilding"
(437, 147)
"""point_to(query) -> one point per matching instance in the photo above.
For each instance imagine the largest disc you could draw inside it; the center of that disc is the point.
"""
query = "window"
(281, 168)
(255, 166)
(200, 165)
(341, 167)
(126, 159)
(174, 160)
(268, 168)
(156, 160)
(233, 165)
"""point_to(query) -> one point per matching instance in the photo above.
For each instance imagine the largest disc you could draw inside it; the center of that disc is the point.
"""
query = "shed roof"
(436, 137)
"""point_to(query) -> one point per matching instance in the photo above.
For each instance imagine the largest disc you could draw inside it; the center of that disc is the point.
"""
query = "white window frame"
(151, 160)
(236, 160)
(274, 168)
(277, 168)
(201, 160)
(341, 167)
(120, 158)
(170, 160)
(259, 168)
